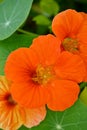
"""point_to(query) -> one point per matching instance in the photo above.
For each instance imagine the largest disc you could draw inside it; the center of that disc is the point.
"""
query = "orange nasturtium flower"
(42, 75)
(12, 116)
(71, 28)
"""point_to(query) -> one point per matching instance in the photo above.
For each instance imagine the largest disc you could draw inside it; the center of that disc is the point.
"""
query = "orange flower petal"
(64, 93)
(82, 38)
(84, 15)
(10, 118)
(34, 116)
(70, 67)
(47, 47)
(21, 62)
(30, 95)
(82, 33)
(3, 82)
(83, 52)
(67, 23)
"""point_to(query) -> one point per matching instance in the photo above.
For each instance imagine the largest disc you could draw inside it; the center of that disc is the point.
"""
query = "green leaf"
(83, 85)
(12, 43)
(74, 118)
(83, 95)
(23, 128)
(13, 13)
(49, 7)
(1, 1)
(42, 20)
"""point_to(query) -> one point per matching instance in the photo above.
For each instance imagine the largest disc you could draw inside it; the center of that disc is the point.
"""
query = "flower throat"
(42, 75)
(71, 45)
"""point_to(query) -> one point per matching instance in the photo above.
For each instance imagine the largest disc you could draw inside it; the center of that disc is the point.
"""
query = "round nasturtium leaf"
(13, 13)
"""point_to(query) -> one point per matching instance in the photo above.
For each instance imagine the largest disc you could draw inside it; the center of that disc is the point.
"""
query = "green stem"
(27, 33)
(23, 31)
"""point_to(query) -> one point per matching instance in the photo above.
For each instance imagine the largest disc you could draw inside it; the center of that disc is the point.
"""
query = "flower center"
(10, 100)
(71, 45)
(43, 74)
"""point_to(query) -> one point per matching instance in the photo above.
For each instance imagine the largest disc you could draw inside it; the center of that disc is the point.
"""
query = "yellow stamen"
(71, 45)
(43, 74)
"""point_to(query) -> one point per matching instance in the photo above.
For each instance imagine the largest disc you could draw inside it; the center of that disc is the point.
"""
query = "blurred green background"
(43, 11)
